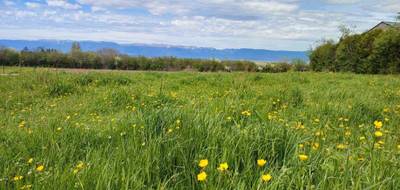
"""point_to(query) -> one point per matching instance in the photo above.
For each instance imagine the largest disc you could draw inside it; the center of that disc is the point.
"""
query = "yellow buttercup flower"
(30, 160)
(303, 157)
(261, 162)
(202, 176)
(341, 146)
(315, 146)
(40, 168)
(266, 177)
(22, 124)
(18, 177)
(246, 113)
(80, 165)
(378, 124)
(203, 163)
(378, 134)
(223, 167)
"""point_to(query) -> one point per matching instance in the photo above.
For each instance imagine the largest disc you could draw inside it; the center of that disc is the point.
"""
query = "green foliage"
(386, 52)
(374, 52)
(111, 59)
(300, 65)
(8, 57)
(323, 57)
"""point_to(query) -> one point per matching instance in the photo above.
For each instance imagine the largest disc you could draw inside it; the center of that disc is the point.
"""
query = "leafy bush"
(374, 52)
(300, 65)
(386, 53)
(323, 57)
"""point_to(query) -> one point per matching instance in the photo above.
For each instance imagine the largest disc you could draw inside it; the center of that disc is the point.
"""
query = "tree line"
(111, 59)
(373, 52)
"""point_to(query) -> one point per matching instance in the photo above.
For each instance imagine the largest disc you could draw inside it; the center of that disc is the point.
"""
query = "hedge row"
(373, 52)
(109, 59)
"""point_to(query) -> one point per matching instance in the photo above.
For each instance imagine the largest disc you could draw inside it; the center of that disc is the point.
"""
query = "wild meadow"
(190, 130)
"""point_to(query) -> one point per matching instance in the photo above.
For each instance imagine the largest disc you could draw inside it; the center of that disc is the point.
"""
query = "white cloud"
(266, 24)
(201, 7)
(32, 5)
(63, 4)
(343, 1)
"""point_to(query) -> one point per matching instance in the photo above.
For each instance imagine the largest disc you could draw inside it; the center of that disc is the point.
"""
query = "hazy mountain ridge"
(157, 50)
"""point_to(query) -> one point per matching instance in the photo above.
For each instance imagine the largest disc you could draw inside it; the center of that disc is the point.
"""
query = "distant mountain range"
(150, 50)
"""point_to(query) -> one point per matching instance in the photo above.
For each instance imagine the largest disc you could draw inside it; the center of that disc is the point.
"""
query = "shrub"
(375, 51)
(300, 65)
(386, 53)
(323, 57)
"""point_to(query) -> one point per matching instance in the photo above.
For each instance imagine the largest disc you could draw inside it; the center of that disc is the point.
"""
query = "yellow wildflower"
(203, 163)
(30, 160)
(378, 134)
(261, 162)
(303, 157)
(378, 124)
(18, 177)
(80, 165)
(22, 124)
(202, 176)
(266, 177)
(341, 146)
(26, 187)
(315, 146)
(223, 167)
(40, 168)
(246, 113)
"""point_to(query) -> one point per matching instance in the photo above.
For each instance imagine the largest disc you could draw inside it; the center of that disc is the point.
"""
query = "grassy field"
(149, 130)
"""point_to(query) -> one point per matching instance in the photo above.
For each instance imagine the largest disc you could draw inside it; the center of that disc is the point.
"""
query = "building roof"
(389, 24)
(395, 24)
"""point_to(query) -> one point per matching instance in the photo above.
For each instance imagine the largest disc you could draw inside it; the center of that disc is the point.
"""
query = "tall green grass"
(149, 130)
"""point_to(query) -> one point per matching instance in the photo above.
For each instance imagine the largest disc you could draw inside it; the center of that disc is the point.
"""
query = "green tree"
(323, 57)
(386, 52)
(348, 54)
(76, 55)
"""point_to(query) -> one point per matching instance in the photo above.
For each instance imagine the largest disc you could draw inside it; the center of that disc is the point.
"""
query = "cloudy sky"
(263, 24)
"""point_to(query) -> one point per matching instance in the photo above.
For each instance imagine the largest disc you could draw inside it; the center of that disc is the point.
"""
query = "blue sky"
(262, 24)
